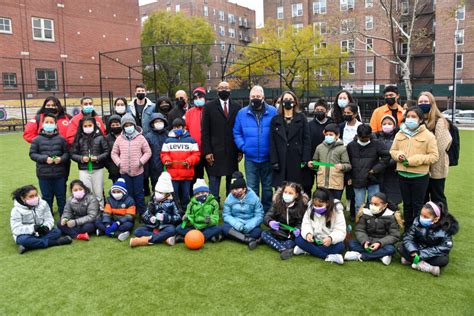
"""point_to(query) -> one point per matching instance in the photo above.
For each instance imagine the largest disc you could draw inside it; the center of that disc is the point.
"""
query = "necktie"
(226, 111)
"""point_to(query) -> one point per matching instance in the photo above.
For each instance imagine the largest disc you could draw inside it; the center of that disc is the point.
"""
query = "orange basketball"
(194, 239)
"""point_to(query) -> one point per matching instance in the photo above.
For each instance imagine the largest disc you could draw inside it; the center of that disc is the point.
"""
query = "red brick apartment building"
(55, 44)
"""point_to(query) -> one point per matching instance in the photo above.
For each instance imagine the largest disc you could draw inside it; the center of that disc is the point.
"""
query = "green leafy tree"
(176, 64)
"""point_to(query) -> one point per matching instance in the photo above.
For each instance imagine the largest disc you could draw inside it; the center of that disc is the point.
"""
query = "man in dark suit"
(218, 147)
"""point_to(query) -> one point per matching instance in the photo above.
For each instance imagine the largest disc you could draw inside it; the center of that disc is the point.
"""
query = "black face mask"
(141, 96)
(223, 94)
(288, 105)
(320, 115)
(116, 130)
(256, 104)
(180, 102)
(347, 118)
(165, 107)
(390, 101)
(53, 111)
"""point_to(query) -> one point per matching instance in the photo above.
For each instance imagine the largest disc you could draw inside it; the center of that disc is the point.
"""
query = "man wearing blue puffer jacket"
(252, 136)
(243, 213)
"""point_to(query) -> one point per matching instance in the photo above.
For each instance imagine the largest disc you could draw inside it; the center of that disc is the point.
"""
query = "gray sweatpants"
(95, 182)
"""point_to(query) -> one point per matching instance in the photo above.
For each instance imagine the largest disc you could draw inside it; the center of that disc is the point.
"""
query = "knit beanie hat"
(178, 122)
(200, 186)
(164, 184)
(388, 116)
(127, 118)
(237, 181)
(120, 185)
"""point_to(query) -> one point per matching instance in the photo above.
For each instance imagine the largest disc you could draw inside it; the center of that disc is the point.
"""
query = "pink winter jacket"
(130, 155)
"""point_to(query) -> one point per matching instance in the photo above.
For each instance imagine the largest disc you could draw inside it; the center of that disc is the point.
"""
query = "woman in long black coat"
(290, 145)
(217, 138)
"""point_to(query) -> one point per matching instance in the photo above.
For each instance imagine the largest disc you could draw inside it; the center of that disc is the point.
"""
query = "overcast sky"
(256, 5)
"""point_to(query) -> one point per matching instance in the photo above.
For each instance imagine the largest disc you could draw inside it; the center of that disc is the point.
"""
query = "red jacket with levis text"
(178, 150)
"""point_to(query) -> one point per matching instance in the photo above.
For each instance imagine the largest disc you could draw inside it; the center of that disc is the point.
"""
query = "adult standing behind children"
(141, 108)
(391, 107)
(87, 110)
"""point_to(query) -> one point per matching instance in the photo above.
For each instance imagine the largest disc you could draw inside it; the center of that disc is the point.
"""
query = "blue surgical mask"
(49, 127)
(129, 129)
(199, 102)
(179, 132)
(202, 198)
(342, 103)
(288, 198)
(88, 109)
(412, 123)
(329, 139)
(425, 107)
(426, 222)
(363, 143)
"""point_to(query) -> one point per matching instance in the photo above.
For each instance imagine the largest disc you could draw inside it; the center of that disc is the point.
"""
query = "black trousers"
(435, 191)
(440, 261)
(413, 194)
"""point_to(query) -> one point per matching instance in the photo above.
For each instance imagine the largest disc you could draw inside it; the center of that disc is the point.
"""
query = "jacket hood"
(138, 131)
(160, 116)
(113, 117)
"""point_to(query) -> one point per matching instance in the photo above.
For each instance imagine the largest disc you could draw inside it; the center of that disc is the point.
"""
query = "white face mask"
(159, 126)
(375, 209)
(159, 196)
(117, 196)
(88, 130)
(120, 109)
(288, 198)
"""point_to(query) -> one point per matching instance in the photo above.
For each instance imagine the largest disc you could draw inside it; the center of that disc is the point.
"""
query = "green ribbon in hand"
(322, 164)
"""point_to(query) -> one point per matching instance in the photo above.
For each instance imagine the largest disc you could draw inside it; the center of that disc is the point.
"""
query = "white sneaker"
(353, 256)
(123, 236)
(424, 266)
(405, 262)
(335, 258)
(298, 251)
(170, 241)
(386, 260)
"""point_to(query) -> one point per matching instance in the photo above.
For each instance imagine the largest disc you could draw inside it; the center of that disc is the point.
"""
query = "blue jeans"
(51, 188)
(124, 227)
(32, 242)
(215, 185)
(254, 233)
(361, 192)
(73, 232)
(260, 173)
(135, 190)
(208, 232)
(275, 243)
(158, 237)
(319, 251)
(387, 250)
(183, 189)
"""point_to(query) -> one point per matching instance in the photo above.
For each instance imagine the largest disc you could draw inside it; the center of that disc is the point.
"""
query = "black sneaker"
(22, 249)
(179, 239)
(217, 238)
(286, 254)
(253, 244)
(64, 240)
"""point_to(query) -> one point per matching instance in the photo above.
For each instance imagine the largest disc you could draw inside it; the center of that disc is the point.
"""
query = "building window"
(459, 61)
(351, 67)
(459, 34)
(347, 46)
(369, 3)
(347, 25)
(221, 16)
(369, 22)
(46, 79)
(369, 66)
(231, 18)
(178, 8)
(5, 25)
(404, 26)
(231, 33)
(320, 7)
(403, 49)
(297, 27)
(9, 80)
(280, 13)
(404, 7)
(369, 44)
(221, 30)
(43, 29)
(319, 46)
(280, 31)
(222, 46)
(208, 75)
(346, 5)
(461, 13)
(168, 9)
(320, 27)
(296, 9)
(143, 19)
(206, 10)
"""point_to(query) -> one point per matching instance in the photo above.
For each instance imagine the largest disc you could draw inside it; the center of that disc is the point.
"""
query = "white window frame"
(369, 64)
(42, 28)
(369, 47)
(221, 15)
(47, 79)
(177, 8)
(231, 33)
(5, 19)
(459, 60)
(459, 37)
(461, 13)
(369, 4)
(13, 83)
(404, 7)
(403, 49)
(320, 7)
(297, 27)
(205, 10)
(321, 27)
(279, 32)
(231, 18)
(221, 30)
(346, 24)
(280, 13)
(319, 46)
(369, 22)
(348, 63)
(296, 10)
(346, 5)
(347, 46)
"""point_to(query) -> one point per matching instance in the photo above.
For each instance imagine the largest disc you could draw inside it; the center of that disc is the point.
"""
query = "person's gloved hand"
(43, 230)
(36, 228)
(111, 229)
(296, 232)
(207, 219)
(276, 166)
(153, 219)
(71, 223)
(160, 216)
(274, 225)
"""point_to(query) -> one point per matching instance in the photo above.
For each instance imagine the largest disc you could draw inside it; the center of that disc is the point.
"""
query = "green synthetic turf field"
(105, 276)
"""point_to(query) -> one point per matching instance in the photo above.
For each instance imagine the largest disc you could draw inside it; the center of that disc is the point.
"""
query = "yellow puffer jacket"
(421, 150)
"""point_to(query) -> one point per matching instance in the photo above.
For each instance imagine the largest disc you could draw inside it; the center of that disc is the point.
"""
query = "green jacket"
(196, 213)
(335, 153)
